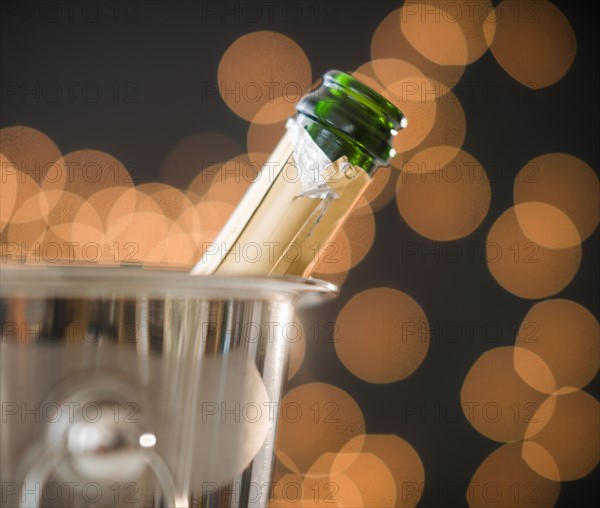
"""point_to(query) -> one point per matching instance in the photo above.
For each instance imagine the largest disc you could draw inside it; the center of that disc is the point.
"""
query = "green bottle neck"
(347, 118)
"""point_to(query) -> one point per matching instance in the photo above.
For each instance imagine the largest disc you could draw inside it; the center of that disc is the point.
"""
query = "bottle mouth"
(344, 114)
(354, 88)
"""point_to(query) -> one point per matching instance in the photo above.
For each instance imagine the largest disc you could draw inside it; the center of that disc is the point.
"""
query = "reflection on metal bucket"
(141, 388)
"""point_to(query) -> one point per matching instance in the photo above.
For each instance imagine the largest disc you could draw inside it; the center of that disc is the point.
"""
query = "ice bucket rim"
(134, 282)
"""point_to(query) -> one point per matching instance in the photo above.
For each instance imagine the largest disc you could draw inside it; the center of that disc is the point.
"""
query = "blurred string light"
(86, 208)
(364, 480)
(65, 210)
(334, 261)
(31, 152)
(23, 236)
(382, 335)
(263, 69)
(347, 493)
(434, 33)
(349, 246)
(505, 479)
(443, 200)
(380, 192)
(316, 418)
(276, 110)
(359, 228)
(546, 225)
(522, 266)
(263, 138)
(87, 226)
(532, 41)
(370, 470)
(213, 214)
(73, 218)
(232, 179)
(566, 183)
(138, 233)
(183, 222)
(10, 185)
(30, 202)
(85, 172)
(448, 130)
(529, 395)
(419, 107)
(495, 399)
(562, 442)
(447, 33)
(287, 489)
(380, 73)
(175, 204)
(297, 340)
(400, 458)
(388, 41)
(186, 160)
(567, 337)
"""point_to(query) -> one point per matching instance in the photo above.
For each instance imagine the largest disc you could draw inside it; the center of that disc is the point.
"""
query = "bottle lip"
(393, 115)
(350, 118)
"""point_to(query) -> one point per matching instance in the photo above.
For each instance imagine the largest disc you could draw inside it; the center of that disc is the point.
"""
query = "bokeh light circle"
(213, 215)
(449, 130)
(104, 200)
(567, 337)
(296, 338)
(504, 479)
(194, 153)
(532, 41)
(8, 190)
(334, 260)
(370, 474)
(447, 33)
(231, 180)
(321, 488)
(137, 234)
(382, 335)
(415, 96)
(359, 228)
(546, 225)
(66, 207)
(523, 267)
(398, 455)
(381, 189)
(496, 400)
(443, 200)
(264, 138)
(564, 182)
(315, 418)
(27, 236)
(32, 152)
(569, 435)
(434, 32)
(84, 172)
(276, 111)
(259, 68)
(388, 41)
(31, 202)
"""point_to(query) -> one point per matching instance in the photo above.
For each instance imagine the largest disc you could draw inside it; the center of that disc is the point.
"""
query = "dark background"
(157, 55)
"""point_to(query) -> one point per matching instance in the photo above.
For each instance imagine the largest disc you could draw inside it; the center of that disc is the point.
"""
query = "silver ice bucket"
(141, 388)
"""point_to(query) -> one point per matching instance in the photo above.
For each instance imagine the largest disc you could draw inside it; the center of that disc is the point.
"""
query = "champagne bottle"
(341, 134)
